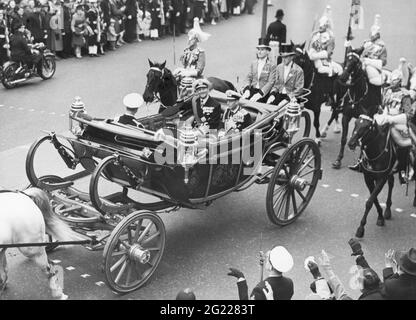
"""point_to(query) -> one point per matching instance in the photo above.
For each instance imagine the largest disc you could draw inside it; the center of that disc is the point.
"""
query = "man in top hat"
(205, 109)
(132, 102)
(323, 45)
(278, 261)
(260, 78)
(289, 79)
(193, 58)
(400, 285)
(235, 118)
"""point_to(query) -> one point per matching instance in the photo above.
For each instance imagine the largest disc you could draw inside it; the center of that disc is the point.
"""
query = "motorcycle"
(17, 72)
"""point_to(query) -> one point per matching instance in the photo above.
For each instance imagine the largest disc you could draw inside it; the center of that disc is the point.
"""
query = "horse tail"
(55, 227)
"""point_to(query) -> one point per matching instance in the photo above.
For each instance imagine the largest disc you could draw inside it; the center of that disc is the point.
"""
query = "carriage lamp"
(77, 108)
(187, 149)
(292, 116)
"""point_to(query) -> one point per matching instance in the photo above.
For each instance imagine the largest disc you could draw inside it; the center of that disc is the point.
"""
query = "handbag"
(154, 33)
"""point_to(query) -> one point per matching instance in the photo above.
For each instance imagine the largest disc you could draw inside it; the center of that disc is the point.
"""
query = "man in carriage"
(235, 118)
(289, 77)
(132, 102)
(260, 79)
(323, 45)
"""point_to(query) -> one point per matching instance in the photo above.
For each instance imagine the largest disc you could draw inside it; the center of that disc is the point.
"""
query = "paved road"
(201, 245)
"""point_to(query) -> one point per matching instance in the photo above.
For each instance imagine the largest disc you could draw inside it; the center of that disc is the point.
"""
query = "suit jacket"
(399, 287)
(276, 31)
(294, 82)
(266, 79)
(282, 289)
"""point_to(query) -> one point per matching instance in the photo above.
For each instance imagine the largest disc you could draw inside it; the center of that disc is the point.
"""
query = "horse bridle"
(161, 71)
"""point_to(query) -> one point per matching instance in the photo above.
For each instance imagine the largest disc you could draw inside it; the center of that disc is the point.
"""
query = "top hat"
(286, 49)
(407, 261)
(263, 43)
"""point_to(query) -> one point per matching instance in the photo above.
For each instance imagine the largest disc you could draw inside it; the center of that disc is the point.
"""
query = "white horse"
(25, 218)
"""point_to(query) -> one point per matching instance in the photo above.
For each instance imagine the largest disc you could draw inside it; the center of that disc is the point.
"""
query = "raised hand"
(235, 273)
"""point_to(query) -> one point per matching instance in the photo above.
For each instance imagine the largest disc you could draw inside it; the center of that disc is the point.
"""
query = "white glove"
(347, 43)
(129, 17)
(256, 97)
(270, 100)
(268, 291)
(188, 9)
(246, 94)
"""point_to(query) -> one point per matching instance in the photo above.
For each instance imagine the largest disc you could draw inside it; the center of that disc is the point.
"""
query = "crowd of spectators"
(80, 27)
(398, 281)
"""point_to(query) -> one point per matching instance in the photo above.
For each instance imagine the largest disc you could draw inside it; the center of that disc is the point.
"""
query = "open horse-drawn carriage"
(156, 172)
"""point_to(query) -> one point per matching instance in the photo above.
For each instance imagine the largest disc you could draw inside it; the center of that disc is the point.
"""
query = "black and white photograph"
(213, 150)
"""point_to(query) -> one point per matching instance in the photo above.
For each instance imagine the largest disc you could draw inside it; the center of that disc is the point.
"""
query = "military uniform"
(375, 57)
(194, 59)
(208, 112)
(236, 120)
(127, 119)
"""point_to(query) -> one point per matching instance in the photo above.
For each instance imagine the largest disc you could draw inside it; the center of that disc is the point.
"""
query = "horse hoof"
(387, 214)
(360, 232)
(336, 164)
(380, 222)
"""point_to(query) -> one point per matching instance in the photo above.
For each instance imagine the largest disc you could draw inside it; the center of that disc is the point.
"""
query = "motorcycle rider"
(21, 51)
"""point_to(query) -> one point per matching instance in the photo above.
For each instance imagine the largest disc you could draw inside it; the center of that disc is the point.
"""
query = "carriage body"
(155, 160)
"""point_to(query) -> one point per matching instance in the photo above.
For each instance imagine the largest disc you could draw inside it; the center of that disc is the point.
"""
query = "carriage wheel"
(133, 251)
(293, 182)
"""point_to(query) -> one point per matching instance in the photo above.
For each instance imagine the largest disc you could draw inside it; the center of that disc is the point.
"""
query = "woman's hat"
(286, 49)
(281, 259)
(407, 261)
(263, 43)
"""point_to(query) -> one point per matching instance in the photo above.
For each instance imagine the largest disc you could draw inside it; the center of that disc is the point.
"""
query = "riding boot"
(402, 156)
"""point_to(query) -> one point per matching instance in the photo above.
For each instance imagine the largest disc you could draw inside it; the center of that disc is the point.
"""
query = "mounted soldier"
(323, 45)
(193, 58)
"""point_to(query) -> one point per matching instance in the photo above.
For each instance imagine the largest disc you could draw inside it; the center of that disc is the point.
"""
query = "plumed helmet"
(197, 33)
(326, 19)
(376, 27)
(133, 100)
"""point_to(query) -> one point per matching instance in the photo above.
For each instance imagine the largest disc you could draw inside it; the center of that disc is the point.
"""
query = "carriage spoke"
(129, 272)
(145, 231)
(138, 227)
(280, 209)
(287, 207)
(118, 263)
(121, 272)
(306, 164)
(302, 159)
(119, 253)
(307, 172)
(295, 209)
(301, 195)
(280, 195)
(278, 190)
(130, 239)
(153, 236)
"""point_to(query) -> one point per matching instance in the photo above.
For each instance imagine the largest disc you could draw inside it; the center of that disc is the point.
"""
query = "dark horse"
(355, 95)
(379, 157)
(321, 86)
(161, 84)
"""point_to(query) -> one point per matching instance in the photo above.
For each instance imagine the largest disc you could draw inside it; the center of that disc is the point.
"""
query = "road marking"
(339, 190)
(21, 108)
(85, 275)
(11, 107)
(70, 268)
(1, 105)
(354, 195)
(399, 210)
(52, 113)
(56, 261)
(31, 110)
(413, 215)
(100, 283)
(42, 111)
(325, 186)
(63, 114)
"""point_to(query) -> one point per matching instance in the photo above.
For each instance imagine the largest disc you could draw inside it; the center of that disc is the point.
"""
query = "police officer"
(235, 118)
(20, 49)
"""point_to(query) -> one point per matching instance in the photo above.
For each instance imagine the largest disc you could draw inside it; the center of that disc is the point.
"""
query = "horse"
(379, 157)
(162, 85)
(25, 217)
(321, 87)
(356, 95)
